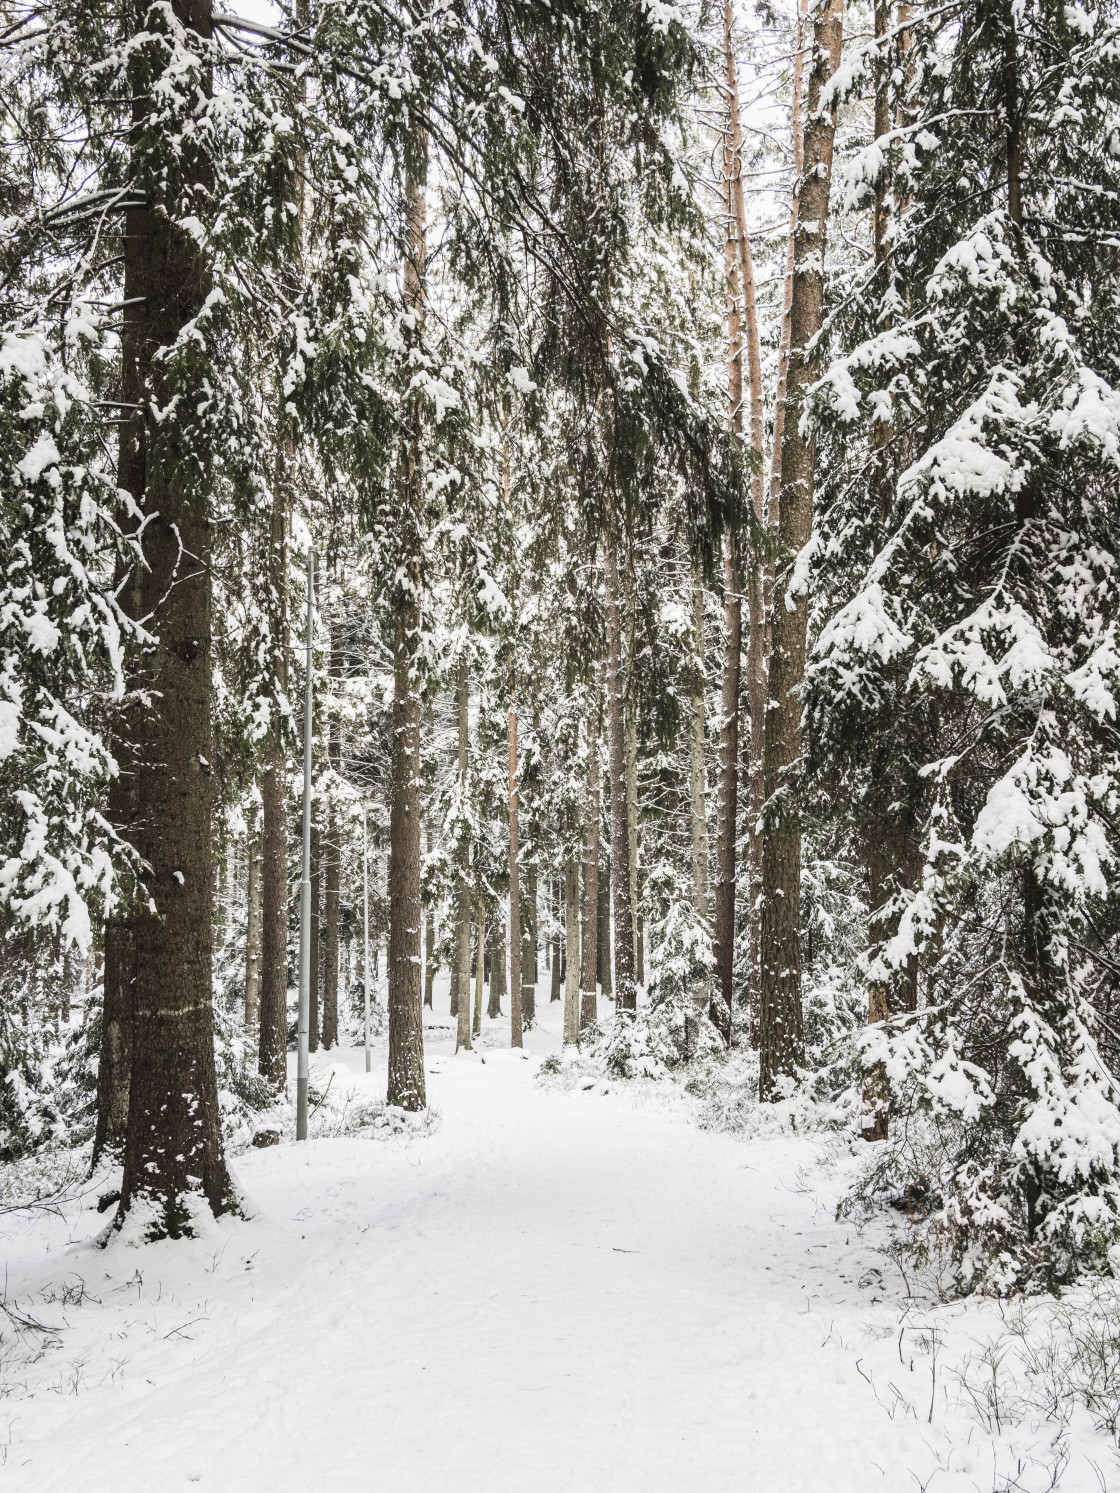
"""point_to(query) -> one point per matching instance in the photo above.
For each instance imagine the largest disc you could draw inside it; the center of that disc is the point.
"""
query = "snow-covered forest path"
(549, 1289)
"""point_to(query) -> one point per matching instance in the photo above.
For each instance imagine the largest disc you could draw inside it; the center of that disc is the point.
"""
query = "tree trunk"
(606, 963)
(253, 929)
(516, 1039)
(798, 144)
(463, 857)
(780, 1018)
(728, 800)
(313, 1022)
(698, 790)
(406, 1027)
(571, 953)
(554, 948)
(626, 999)
(529, 945)
(479, 968)
(756, 658)
(588, 1000)
(429, 957)
(497, 973)
(333, 869)
(632, 822)
(173, 1145)
(273, 1040)
(114, 1070)
(723, 941)
(874, 1122)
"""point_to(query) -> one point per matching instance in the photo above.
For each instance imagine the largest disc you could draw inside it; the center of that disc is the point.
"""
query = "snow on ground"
(547, 1288)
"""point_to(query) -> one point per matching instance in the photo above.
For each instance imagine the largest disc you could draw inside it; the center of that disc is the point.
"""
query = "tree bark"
(516, 1039)
(632, 823)
(698, 790)
(798, 145)
(114, 1071)
(626, 998)
(588, 998)
(723, 941)
(406, 1086)
(554, 947)
(273, 1039)
(571, 953)
(874, 1123)
(253, 928)
(728, 797)
(756, 658)
(173, 1144)
(313, 1021)
(332, 866)
(606, 968)
(497, 973)
(529, 944)
(463, 917)
(479, 968)
(429, 957)
(781, 1021)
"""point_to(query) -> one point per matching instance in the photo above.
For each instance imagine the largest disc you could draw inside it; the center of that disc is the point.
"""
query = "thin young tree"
(253, 927)
(516, 1038)
(588, 1012)
(463, 871)
(626, 1000)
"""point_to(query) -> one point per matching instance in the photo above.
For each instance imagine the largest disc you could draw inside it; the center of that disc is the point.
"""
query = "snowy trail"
(552, 1291)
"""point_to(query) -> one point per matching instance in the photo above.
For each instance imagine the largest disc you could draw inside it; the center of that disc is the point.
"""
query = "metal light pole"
(365, 923)
(305, 882)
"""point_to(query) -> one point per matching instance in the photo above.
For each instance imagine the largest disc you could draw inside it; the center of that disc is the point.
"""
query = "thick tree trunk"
(173, 1144)
(626, 999)
(698, 787)
(780, 1018)
(463, 915)
(406, 1033)
(406, 1030)
(588, 999)
(253, 928)
(571, 953)
(516, 1039)
(313, 1020)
